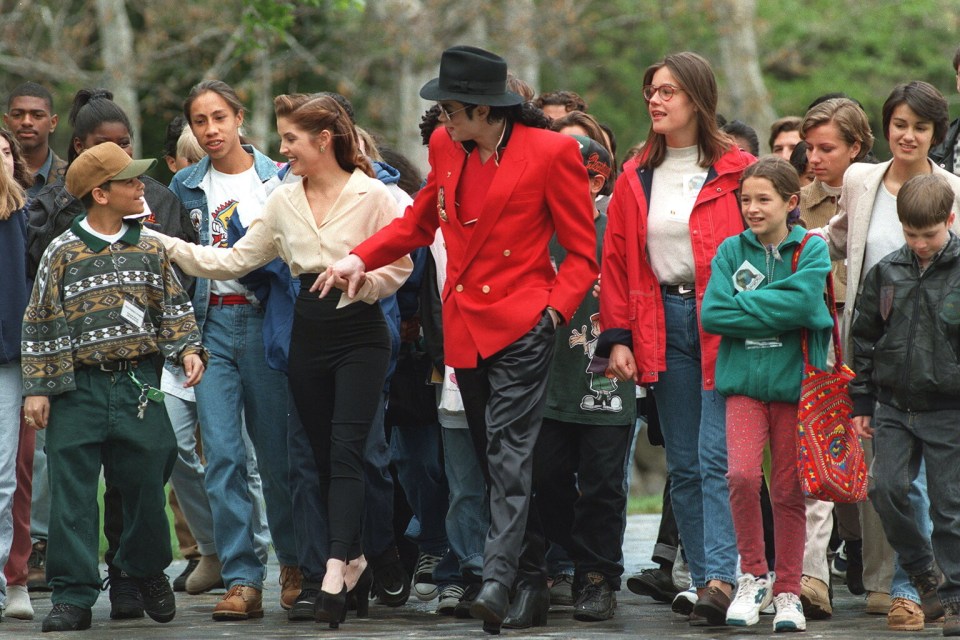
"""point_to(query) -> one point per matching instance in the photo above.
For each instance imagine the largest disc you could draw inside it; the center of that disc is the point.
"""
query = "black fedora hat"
(472, 76)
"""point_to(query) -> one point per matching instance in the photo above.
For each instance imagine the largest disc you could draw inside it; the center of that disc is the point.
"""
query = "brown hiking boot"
(37, 567)
(240, 603)
(291, 581)
(905, 615)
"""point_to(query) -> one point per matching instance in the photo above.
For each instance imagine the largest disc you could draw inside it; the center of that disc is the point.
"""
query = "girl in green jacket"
(758, 304)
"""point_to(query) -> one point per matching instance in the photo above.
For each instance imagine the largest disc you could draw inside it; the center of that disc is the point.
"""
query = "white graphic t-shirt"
(232, 194)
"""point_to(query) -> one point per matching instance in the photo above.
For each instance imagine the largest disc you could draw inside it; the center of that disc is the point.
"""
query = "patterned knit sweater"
(75, 315)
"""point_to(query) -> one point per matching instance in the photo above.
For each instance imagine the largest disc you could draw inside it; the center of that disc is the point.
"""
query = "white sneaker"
(684, 602)
(753, 596)
(18, 603)
(789, 613)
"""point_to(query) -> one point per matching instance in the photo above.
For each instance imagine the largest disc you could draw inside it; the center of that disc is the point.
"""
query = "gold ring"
(28, 420)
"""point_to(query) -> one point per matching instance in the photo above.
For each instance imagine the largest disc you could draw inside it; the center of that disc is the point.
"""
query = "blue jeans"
(188, 473)
(901, 587)
(10, 402)
(415, 452)
(693, 421)
(239, 388)
(468, 516)
(901, 441)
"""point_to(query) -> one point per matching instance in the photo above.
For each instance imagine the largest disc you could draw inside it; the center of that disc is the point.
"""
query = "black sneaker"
(462, 610)
(597, 599)
(66, 617)
(180, 582)
(125, 600)
(655, 583)
(304, 606)
(423, 583)
(391, 581)
(158, 600)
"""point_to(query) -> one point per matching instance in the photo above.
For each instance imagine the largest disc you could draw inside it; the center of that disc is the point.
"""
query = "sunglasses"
(449, 114)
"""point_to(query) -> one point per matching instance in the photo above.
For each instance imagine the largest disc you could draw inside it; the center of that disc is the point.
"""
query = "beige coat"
(817, 207)
(846, 233)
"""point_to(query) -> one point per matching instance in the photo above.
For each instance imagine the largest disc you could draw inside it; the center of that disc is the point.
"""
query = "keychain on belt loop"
(147, 394)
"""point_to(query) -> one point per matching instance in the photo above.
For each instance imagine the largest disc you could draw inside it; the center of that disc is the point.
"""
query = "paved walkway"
(637, 618)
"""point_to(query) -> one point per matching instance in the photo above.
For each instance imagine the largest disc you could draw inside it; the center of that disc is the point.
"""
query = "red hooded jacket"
(631, 305)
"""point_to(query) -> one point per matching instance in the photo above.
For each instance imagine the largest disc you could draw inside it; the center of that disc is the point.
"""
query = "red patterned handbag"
(830, 457)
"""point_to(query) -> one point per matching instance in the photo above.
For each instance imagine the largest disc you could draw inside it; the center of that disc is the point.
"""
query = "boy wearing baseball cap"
(105, 305)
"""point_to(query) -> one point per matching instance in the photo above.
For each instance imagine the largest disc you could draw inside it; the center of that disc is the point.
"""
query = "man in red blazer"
(499, 188)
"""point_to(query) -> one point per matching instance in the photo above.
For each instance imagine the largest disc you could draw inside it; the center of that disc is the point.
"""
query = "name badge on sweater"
(747, 277)
(132, 312)
(762, 343)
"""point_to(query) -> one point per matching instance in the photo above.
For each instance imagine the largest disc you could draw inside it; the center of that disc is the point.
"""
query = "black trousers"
(338, 363)
(503, 398)
(579, 493)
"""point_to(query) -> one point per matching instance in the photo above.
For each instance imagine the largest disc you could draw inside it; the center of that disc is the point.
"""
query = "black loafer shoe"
(597, 600)
(180, 582)
(491, 605)
(528, 608)
(655, 583)
(462, 610)
(66, 617)
(158, 600)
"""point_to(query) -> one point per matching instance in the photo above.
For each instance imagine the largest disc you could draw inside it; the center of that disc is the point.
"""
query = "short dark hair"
(33, 90)
(956, 60)
(781, 125)
(924, 200)
(924, 99)
(567, 99)
(798, 158)
(343, 101)
(740, 129)
(174, 130)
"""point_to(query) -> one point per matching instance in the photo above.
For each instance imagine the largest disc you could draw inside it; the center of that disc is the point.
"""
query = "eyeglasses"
(666, 91)
(449, 114)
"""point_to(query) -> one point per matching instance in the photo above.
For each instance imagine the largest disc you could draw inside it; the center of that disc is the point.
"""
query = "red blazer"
(630, 299)
(500, 278)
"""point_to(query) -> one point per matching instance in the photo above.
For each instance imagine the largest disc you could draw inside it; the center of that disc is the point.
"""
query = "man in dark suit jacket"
(499, 189)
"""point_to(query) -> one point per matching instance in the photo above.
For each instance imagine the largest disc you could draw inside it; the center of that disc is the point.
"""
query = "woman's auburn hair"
(695, 77)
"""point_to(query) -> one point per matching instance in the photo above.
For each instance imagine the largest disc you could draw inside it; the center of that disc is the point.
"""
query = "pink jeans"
(750, 424)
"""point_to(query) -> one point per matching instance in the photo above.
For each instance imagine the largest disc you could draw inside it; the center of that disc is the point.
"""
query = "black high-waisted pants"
(338, 362)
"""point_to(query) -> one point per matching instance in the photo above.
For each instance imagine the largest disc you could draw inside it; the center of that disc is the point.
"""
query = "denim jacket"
(190, 184)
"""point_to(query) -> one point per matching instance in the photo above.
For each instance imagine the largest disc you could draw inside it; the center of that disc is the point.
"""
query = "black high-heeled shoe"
(361, 592)
(332, 608)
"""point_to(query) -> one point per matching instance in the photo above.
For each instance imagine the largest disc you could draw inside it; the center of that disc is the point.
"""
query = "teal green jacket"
(783, 303)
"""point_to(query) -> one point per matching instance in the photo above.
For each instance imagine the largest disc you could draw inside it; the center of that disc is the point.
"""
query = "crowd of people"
(432, 386)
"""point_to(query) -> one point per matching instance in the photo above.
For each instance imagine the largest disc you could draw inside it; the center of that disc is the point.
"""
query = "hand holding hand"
(347, 274)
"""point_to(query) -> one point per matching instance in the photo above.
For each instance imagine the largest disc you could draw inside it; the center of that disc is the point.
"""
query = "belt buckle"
(682, 290)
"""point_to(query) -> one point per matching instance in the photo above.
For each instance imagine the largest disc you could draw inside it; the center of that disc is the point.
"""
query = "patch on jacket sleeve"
(950, 308)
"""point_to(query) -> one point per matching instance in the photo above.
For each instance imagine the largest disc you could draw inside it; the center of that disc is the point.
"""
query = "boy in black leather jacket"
(906, 394)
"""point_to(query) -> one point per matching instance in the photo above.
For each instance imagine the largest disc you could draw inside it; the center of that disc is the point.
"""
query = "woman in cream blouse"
(339, 349)
(865, 229)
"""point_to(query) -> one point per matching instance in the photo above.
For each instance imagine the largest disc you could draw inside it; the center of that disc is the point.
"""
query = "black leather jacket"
(53, 210)
(942, 154)
(906, 334)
